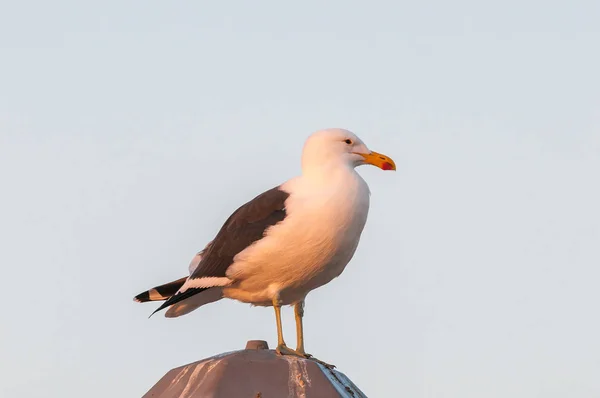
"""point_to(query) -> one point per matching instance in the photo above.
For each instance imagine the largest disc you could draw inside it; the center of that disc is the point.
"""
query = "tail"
(210, 295)
(179, 297)
(160, 293)
(188, 300)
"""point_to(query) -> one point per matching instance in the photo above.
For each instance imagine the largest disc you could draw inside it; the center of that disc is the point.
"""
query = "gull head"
(334, 147)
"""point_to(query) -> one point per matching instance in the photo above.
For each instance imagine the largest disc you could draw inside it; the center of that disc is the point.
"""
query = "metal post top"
(255, 371)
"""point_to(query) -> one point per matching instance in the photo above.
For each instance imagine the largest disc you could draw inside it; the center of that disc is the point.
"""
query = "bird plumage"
(289, 240)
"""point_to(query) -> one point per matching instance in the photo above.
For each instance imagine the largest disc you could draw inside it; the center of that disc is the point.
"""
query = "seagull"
(287, 241)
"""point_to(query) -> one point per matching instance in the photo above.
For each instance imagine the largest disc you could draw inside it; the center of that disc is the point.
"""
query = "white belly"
(308, 249)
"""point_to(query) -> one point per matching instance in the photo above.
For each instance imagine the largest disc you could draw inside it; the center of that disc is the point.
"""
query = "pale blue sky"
(130, 130)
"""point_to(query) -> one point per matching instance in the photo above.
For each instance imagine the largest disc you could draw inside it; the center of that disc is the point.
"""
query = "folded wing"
(244, 227)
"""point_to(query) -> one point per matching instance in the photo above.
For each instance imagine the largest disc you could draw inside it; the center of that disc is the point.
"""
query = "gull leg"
(299, 314)
(280, 341)
(283, 349)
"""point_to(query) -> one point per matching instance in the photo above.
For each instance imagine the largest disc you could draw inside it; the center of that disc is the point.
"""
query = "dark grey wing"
(244, 227)
(197, 258)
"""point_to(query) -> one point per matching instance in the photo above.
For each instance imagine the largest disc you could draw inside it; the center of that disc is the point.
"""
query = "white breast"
(343, 218)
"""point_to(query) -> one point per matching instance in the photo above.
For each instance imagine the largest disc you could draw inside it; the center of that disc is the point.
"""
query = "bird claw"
(282, 349)
(285, 350)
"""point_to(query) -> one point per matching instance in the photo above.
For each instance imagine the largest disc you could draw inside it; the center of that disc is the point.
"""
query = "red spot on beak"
(386, 166)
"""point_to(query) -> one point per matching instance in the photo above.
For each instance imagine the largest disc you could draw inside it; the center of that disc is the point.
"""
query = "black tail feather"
(162, 292)
(180, 297)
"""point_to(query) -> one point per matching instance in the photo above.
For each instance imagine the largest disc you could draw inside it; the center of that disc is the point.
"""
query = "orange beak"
(379, 160)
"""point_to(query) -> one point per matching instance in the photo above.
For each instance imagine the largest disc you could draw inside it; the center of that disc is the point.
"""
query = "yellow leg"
(277, 307)
(282, 349)
(299, 313)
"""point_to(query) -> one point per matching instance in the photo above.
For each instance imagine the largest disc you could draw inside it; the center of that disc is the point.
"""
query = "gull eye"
(348, 141)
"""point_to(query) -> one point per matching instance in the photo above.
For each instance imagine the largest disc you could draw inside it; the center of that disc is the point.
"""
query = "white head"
(338, 147)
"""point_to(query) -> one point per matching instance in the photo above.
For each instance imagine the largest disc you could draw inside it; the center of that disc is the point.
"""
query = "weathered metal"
(255, 372)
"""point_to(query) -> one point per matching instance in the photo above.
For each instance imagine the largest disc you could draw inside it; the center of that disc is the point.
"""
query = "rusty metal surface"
(255, 372)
